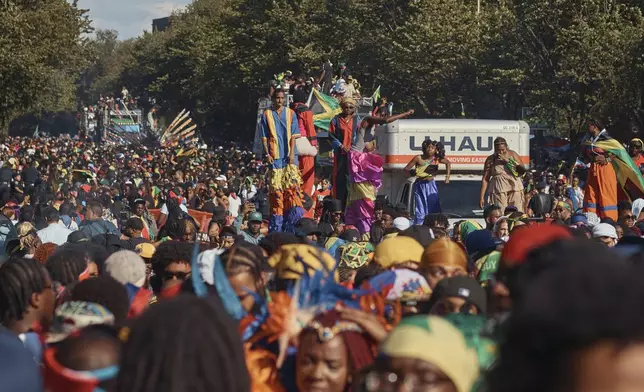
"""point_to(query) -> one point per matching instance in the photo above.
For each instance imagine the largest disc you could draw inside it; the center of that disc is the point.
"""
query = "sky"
(129, 17)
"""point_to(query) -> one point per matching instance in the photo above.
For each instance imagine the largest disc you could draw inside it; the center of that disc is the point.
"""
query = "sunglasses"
(169, 275)
(630, 217)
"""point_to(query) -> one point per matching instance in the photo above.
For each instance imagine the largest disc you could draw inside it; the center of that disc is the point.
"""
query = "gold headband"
(327, 333)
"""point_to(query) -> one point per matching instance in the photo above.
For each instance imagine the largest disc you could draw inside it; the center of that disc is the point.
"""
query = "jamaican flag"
(324, 108)
(629, 178)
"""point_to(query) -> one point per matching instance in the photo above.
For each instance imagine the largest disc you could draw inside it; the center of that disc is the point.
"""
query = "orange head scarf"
(444, 252)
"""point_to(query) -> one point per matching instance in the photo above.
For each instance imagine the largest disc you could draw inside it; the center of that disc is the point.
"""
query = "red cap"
(525, 240)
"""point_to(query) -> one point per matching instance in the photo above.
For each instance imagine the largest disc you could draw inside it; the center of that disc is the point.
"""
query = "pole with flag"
(376, 95)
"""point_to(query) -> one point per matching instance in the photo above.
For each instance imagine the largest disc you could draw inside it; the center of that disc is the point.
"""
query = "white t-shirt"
(233, 205)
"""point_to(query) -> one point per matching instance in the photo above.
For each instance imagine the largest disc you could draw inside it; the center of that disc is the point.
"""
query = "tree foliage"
(565, 60)
(42, 52)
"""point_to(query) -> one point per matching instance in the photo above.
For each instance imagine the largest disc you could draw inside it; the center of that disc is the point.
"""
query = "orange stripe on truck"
(454, 159)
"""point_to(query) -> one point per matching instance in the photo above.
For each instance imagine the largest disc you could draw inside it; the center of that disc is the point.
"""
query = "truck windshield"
(459, 199)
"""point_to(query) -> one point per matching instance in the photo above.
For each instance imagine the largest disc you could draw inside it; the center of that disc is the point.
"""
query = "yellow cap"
(146, 250)
(289, 261)
(398, 250)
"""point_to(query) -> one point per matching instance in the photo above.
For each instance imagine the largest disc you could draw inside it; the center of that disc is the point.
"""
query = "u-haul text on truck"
(467, 143)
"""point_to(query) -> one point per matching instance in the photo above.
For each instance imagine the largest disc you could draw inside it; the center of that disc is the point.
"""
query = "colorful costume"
(307, 130)
(278, 128)
(602, 191)
(357, 175)
(426, 191)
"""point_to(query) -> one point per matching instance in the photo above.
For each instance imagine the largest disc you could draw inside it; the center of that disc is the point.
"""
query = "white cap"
(604, 230)
(221, 177)
(401, 223)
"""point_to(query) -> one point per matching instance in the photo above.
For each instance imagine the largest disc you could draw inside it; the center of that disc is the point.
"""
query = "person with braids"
(246, 268)
(503, 171)
(332, 350)
(424, 167)
(26, 301)
(71, 263)
(183, 344)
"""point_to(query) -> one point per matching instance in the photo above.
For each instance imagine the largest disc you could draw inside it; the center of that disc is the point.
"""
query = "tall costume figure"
(357, 172)
(307, 130)
(279, 130)
(612, 175)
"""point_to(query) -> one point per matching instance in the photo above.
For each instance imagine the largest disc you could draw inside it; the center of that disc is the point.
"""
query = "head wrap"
(346, 100)
(638, 206)
(466, 227)
(398, 250)
(401, 284)
(355, 254)
(444, 252)
(479, 241)
(429, 338)
(292, 261)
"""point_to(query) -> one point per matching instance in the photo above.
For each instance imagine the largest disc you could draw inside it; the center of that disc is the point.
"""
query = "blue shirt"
(278, 129)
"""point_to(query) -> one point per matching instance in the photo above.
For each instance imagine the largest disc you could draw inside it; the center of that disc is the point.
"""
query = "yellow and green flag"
(324, 108)
(628, 174)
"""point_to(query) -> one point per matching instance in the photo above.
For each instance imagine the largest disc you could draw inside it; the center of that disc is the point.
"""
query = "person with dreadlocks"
(27, 301)
(424, 167)
(183, 344)
(171, 265)
(279, 129)
(357, 172)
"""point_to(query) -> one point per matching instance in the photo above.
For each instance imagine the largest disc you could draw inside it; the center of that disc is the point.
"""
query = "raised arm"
(387, 120)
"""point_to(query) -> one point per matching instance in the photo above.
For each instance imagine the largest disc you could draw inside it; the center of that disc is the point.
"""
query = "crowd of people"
(136, 268)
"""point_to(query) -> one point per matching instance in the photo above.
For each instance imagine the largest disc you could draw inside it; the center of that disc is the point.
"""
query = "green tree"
(42, 52)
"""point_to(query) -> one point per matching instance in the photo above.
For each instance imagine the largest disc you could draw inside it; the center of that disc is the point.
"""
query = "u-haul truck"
(467, 145)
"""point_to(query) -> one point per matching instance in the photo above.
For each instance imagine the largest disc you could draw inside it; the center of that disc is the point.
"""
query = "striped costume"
(278, 128)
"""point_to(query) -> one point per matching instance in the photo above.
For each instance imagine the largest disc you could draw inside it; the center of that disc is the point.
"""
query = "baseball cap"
(604, 230)
(74, 315)
(145, 250)
(221, 178)
(401, 223)
(350, 234)
(255, 217)
(462, 287)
